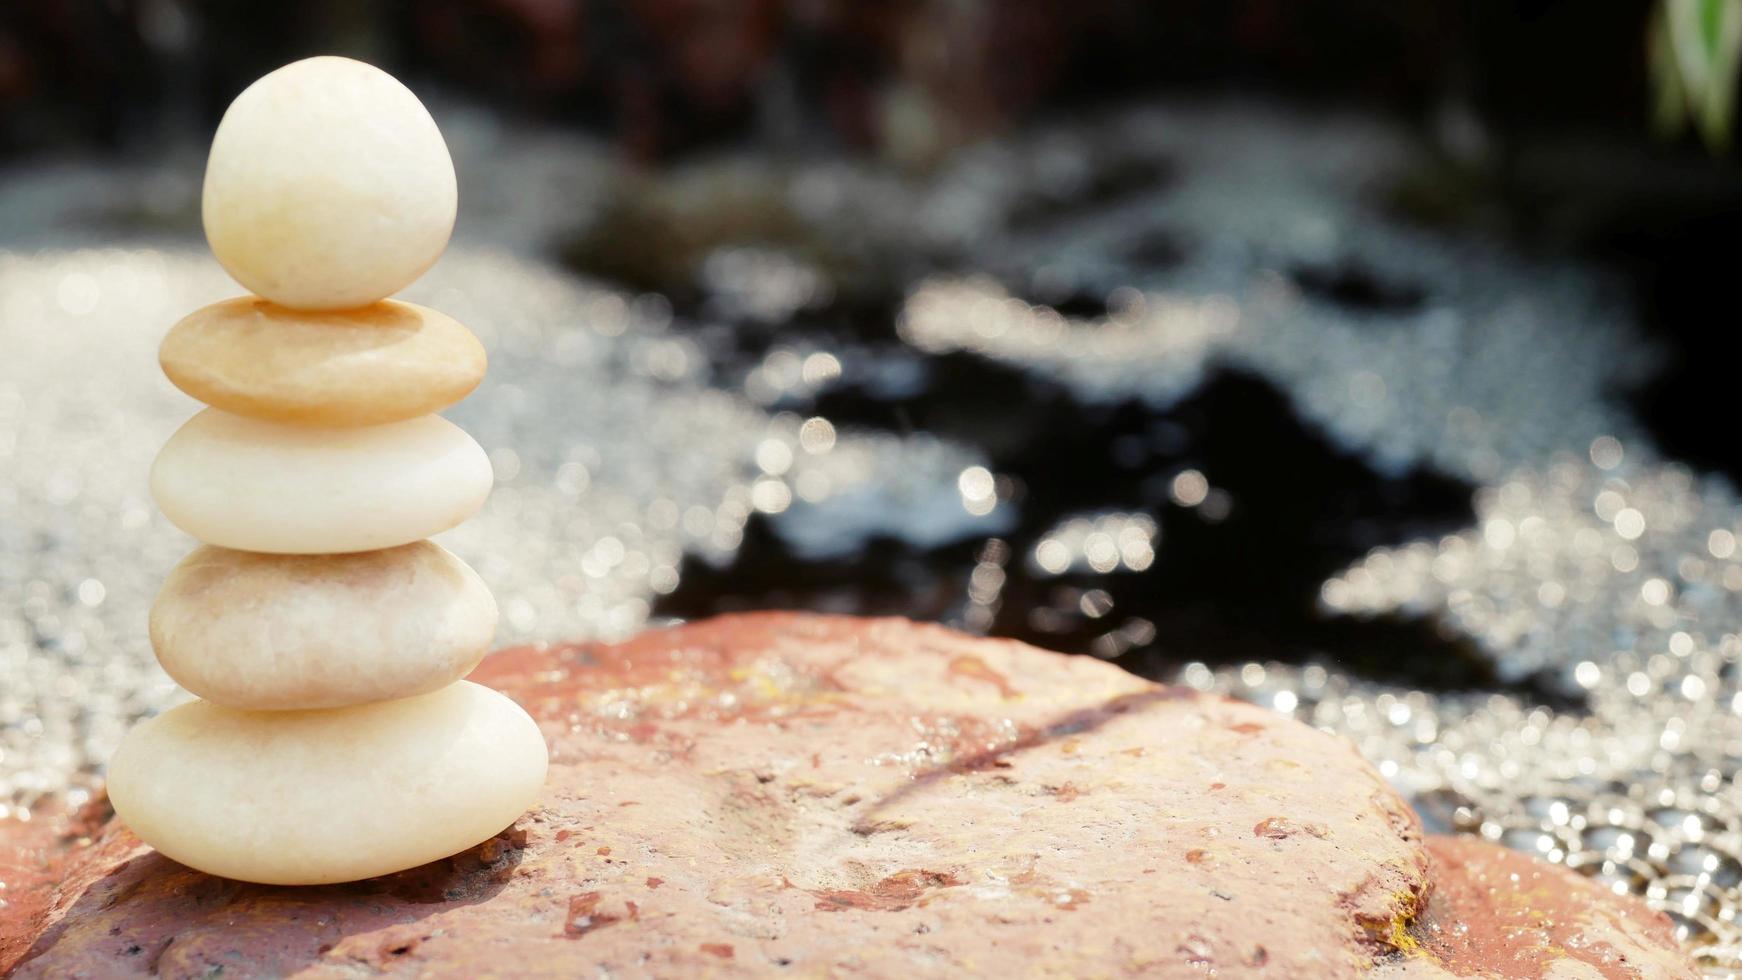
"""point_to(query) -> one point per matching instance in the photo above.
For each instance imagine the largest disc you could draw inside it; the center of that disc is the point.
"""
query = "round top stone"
(328, 186)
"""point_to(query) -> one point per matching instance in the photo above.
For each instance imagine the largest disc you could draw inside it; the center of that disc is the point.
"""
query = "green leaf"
(1711, 16)
(1704, 39)
(1669, 111)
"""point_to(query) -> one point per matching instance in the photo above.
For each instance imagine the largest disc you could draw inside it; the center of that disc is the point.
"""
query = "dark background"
(668, 76)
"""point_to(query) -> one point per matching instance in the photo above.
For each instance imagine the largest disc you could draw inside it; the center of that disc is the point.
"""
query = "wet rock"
(816, 794)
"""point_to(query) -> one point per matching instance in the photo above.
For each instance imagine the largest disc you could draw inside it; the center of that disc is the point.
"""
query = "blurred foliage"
(1696, 49)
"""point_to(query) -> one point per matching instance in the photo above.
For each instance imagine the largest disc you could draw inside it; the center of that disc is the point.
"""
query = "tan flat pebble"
(300, 490)
(309, 797)
(275, 632)
(382, 363)
(328, 186)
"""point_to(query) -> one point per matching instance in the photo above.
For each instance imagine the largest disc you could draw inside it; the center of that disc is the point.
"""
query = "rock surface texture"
(798, 795)
(1498, 913)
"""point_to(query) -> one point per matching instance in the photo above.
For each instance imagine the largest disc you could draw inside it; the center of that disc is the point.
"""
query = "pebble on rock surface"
(290, 489)
(386, 362)
(328, 186)
(312, 797)
(277, 632)
(821, 796)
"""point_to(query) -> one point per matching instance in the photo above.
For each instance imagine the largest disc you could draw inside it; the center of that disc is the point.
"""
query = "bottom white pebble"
(312, 797)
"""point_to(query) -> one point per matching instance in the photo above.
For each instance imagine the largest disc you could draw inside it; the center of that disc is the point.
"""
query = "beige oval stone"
(328, 186)
(299, 490)
(310, 797)
(386, 362)
(278, 632)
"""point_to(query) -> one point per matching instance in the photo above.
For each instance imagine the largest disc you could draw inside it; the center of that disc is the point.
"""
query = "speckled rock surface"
(1498, 913)
(781, 794)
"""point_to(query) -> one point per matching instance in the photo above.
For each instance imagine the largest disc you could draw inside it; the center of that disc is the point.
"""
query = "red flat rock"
(806, 795)
(1499, 913)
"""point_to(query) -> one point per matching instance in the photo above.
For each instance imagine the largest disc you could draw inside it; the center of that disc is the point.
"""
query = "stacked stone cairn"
(323, 635)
